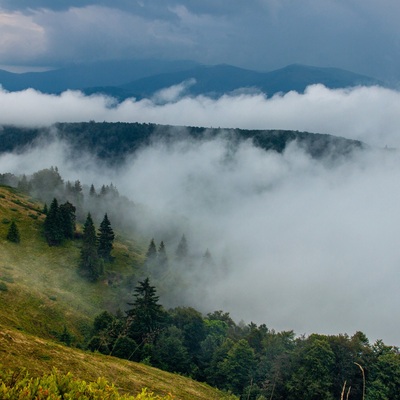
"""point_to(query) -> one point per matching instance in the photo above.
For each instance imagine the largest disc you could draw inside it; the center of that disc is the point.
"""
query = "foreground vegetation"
(22, 353)
(57, 386)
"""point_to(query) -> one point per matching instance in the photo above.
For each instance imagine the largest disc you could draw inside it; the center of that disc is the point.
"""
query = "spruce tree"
(105, 239)
(182, 249)
(52, 225)
(90, 264)
(67, 219)
(162, 256)
(92, 191)
(147, 314)
(151, 254)
(13, 233)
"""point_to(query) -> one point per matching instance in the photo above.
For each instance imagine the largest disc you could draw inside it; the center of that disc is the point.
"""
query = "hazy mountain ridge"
(139, 79)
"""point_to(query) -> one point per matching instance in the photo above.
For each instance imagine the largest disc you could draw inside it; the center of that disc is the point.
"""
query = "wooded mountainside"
(253, 361)
(113, 141)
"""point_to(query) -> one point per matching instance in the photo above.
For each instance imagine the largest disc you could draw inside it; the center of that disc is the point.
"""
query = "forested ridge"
(249, 360)
(112, 141)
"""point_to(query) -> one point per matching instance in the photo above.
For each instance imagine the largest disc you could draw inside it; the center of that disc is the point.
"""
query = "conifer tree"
(13, 233)
(147, 314)
(162, 256)
(182, 249)
(105, 239)
(92, 191)
(90, 264)
(151, 254)
(52, 225)
(67, 219)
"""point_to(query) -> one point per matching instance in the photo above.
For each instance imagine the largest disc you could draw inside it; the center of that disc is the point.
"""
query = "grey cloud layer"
(358, 35)
(367, 114)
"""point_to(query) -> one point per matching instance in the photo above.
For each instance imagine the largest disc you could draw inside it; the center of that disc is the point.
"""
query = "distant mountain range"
(140, 79)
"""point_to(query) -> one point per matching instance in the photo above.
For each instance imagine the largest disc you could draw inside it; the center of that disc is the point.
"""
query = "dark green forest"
(111, 142)
(249, 360)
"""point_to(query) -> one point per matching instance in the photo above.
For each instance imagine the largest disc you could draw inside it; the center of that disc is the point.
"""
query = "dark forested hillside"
(113, 141)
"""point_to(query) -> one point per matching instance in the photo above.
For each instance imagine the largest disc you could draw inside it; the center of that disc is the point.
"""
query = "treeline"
(113, 141)
(47, 184)
(252, 361)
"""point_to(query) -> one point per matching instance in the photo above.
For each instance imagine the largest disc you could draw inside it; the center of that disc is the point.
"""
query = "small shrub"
(8, 279)
(5, 221)
(3, 287)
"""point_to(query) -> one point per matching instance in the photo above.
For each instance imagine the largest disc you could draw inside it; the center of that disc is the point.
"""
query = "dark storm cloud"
(260, 34)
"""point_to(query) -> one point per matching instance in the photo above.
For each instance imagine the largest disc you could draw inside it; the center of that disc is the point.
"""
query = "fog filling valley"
(300, 244)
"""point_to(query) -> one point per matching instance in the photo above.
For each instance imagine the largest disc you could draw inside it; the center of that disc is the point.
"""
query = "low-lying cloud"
(370, 114)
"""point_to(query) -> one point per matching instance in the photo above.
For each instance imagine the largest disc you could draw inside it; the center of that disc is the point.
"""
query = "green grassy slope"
(41, 292)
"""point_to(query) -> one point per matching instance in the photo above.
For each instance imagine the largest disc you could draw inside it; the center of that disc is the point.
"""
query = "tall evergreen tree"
(105, 239)
(13, 233)
(92, 191)
(162, 256)
(67, 219)
(146, 314)
(90, 264)
(151, 254)
(52, 225)
(182, 249)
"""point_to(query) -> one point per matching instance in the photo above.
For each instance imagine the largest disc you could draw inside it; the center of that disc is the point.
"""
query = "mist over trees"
(250, 360)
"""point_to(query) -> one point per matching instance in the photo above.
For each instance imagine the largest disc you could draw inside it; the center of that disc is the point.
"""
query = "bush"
(3, 287)
(19, 385)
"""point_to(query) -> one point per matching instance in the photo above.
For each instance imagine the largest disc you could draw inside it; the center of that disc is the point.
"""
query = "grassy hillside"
(39, 356)
(41, 293)
(44, 292)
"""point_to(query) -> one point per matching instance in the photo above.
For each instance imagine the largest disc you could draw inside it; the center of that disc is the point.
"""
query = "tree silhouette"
(13, 233)
(146, 314)
(162, 256)
(90, 264)
(182, 249)
(105, 239)
(52, 225)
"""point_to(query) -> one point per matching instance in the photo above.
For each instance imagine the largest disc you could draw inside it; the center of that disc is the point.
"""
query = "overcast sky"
(359, 35)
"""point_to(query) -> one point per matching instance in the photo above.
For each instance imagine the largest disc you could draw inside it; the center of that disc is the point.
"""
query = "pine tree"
(67, 219)
(162, 256)
(182, 249)
(13, 233)
(151, 254)
(147, 314)
(52, 225)
(105, 239)
(92, 191)
(90, 264)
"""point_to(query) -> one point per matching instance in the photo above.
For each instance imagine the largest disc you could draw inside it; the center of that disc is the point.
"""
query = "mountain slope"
(41, 294)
